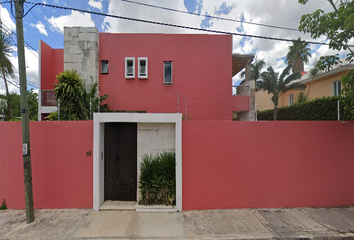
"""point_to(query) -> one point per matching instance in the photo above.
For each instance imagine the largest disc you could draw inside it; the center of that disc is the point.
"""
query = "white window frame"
(164, 80)
(337, 88)
(140, 75)
(126, 67)
(291, 99)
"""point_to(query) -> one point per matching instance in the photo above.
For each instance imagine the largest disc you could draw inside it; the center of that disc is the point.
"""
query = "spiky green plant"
(157, 180)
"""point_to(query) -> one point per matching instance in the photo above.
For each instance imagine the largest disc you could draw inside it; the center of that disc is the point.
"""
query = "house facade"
(152, 73)
(324, 85)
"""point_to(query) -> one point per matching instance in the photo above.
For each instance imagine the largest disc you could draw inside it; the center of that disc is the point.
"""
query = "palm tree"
(277, 85)
(6, 66)
(255, 71)
(313, 74)
(298, 54)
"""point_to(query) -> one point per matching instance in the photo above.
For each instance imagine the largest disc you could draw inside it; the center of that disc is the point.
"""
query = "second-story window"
(129, 67)
(167, 73)
(104, 66)
(143, 67)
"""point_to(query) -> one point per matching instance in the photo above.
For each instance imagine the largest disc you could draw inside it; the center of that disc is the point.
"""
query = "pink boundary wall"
(267, 164)
(225, 164)
(62, 173)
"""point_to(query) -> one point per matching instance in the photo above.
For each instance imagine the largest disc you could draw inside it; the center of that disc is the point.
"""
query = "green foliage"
(348, 92)
(157, 180)
(53, 116)
(32, 105)
(3, 206)
(298, 54)
(75, 102)
(255, 70)
(319, 109)
(70, 91)
(338, 27)
(6, 67)
(15, 100)
(277, 85)
(301, 97)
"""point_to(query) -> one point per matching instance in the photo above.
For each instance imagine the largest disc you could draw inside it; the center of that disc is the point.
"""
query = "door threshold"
(110, 205)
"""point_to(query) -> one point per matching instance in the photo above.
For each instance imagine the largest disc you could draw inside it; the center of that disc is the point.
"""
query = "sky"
(47, 24)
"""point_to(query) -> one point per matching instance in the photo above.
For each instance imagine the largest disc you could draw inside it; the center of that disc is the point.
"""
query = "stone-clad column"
(81, 53)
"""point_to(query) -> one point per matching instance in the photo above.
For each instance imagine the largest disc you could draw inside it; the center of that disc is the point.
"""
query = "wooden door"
(120, 161)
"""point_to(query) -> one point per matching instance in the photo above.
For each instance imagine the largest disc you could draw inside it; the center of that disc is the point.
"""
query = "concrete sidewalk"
(297, 223)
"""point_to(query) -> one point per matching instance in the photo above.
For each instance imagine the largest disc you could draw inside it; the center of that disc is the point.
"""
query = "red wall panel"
(267, 164)
(62, 173)
(201, 66)
(52, 63)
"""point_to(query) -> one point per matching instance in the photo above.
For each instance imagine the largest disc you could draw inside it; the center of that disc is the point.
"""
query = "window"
(143, 67)
(291, 99)
(129, 67)
(337, 88)
(48, 98)
(167, 73)
(104, 66)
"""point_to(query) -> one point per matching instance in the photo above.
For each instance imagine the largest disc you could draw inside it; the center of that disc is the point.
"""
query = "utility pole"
(26, 150)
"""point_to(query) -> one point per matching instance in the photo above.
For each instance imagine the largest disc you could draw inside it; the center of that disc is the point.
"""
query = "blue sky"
(46, 23)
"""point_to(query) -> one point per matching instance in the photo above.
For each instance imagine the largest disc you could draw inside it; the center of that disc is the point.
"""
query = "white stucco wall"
(164, 125)
(154, 138)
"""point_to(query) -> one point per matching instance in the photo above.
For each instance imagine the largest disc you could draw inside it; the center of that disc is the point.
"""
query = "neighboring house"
(152, 73)
(325, 84)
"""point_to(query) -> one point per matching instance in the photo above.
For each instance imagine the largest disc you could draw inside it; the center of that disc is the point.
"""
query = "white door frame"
(99, 120)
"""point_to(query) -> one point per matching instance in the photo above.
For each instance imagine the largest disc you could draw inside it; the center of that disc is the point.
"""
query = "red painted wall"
(267, 164)
(52, 63)
(62, 173)
(225, 164)
(202, 74)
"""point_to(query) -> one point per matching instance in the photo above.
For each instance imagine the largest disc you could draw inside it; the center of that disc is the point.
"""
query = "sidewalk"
(292, 223)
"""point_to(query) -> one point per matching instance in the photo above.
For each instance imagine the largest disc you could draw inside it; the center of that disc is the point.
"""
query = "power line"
(209, 16)
(27, 44)
(47, 33)
(60, 41)
(174, 25)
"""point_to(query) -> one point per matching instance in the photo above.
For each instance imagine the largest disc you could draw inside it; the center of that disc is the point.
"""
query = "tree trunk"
(309, 89)
(275, 112)
(7, 94)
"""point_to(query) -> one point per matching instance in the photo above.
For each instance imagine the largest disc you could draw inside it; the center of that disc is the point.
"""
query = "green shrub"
(324, 109)
(3, 206)
(157, 180)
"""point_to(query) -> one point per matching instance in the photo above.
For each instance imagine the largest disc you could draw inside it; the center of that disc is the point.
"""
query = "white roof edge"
(330, 72)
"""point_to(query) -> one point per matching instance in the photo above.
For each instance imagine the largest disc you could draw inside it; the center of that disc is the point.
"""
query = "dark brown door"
(120, 161)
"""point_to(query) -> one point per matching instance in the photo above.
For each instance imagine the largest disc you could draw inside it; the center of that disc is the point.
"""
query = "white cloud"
(6, 19)
(41, 28)
(96, 4)
(74, 19)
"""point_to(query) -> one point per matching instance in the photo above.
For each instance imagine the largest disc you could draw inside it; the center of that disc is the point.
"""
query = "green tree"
(15, 106)
(338, 27)
(277, 85)
(75, 102)
(32, 105)
(298, 54)
(6, 66)
(255, 71)
(301, 97)
(71, 96)
(314, 71)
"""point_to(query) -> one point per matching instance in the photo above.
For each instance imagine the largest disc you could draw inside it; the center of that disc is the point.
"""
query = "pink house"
(152, 73)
